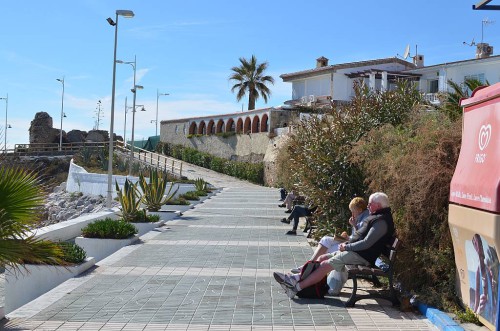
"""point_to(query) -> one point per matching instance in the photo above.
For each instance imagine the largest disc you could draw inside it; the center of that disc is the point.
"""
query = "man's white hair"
(380, 198)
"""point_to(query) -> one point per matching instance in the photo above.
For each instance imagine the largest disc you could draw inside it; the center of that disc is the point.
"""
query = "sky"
(187, 49)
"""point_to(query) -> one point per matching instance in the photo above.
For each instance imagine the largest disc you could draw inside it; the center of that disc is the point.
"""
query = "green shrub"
(191, 195)
(253, 172)
(109, 229)
(72, 253)
(201, 193)
(179, 201)
(414, 165)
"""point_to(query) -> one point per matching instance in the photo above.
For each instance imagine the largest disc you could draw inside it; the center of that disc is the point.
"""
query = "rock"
(76, 136)
(97, 136)
(61, 206)
(41, 130)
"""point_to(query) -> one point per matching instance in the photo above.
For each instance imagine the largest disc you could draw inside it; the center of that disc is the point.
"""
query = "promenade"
(210, 269)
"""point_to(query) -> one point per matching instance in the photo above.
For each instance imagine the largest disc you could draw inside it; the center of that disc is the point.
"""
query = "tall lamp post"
(157, 97)
(62, 111)
(6, 126)
(126, 14)
(125, 125)
(134, 90)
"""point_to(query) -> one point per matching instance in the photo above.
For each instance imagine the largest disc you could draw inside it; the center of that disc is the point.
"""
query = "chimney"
(483, 50)
(321, 62)
(418, 60)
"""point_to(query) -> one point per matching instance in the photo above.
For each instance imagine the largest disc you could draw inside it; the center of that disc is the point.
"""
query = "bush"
(191, 195)
(414, 165)
(72, 253)
(180, 201)
(253, 172)
(109, 229)
(318, 151)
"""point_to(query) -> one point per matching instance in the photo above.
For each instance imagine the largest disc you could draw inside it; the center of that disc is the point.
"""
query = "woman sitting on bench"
(328, 244)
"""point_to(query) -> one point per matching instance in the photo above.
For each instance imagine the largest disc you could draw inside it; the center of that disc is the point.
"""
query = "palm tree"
(250, 77)
(452, 104)
(21, 195)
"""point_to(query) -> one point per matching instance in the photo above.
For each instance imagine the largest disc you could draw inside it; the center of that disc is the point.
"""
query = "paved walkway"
(209, 270)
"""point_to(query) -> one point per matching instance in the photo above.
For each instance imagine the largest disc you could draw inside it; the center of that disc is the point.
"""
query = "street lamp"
(6, 125)
(126, 14)
(157, 97)
(134, 90)
(62, 112)
(125, 125)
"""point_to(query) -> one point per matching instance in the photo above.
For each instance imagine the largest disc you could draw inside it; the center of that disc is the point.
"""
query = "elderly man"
(363, 248)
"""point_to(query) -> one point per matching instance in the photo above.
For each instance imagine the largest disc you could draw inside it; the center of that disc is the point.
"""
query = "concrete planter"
(165, 215)
(101, 248)
(34, 280)
(145, 227)
(179, 208)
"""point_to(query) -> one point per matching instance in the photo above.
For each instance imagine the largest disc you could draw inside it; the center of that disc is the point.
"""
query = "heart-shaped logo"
(484, 136)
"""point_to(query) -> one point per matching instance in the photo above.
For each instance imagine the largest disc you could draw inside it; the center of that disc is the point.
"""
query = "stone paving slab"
(209, 270)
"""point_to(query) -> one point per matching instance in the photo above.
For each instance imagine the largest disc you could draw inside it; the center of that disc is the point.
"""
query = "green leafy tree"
(21, 195)
(250, 78)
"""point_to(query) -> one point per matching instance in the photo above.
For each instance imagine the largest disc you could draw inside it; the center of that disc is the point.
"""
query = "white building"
(335, 82)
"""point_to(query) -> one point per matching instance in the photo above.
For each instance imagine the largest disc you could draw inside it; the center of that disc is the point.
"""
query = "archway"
(220, 126)
(192, 128)
(248, 125)
(264, 124)
(230, 125)
(239, 126)
(255, 124)
(211, 127)
(202, 128)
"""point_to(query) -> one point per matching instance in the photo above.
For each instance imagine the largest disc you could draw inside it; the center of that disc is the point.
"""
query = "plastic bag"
(336, 281)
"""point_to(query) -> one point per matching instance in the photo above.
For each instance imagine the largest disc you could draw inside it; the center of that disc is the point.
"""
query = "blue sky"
(186, 49)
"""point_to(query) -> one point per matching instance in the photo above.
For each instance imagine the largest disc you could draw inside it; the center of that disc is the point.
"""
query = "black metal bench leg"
(394, 298)
(352, 299)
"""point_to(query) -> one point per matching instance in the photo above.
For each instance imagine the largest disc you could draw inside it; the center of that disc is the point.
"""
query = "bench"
(372, 274)
(310, 225)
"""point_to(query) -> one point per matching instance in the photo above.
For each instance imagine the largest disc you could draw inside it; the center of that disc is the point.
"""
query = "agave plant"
(130, 200)
(21, 195)
(154, 195)
(200, 185)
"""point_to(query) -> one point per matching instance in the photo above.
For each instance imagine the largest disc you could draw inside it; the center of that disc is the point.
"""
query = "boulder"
(97, 136)
(41, 130)
(76, 136)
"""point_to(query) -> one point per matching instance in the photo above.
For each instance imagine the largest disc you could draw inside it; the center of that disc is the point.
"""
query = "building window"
(479, 77)
(433, 86)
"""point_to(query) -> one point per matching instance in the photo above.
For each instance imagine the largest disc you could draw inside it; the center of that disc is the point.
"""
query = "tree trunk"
(251, 102)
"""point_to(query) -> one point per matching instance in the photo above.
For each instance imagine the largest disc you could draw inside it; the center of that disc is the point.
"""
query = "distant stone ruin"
(42, 132)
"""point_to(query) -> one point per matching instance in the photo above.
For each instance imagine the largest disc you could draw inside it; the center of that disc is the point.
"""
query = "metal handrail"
(144, 156)
(154, 159)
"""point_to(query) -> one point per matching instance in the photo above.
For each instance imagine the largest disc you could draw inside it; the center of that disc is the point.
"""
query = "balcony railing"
(432, 98)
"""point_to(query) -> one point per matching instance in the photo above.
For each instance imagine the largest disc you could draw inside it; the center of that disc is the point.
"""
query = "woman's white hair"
(380, 198)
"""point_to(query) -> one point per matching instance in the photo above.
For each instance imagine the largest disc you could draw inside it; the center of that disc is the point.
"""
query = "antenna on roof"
(484, 22)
